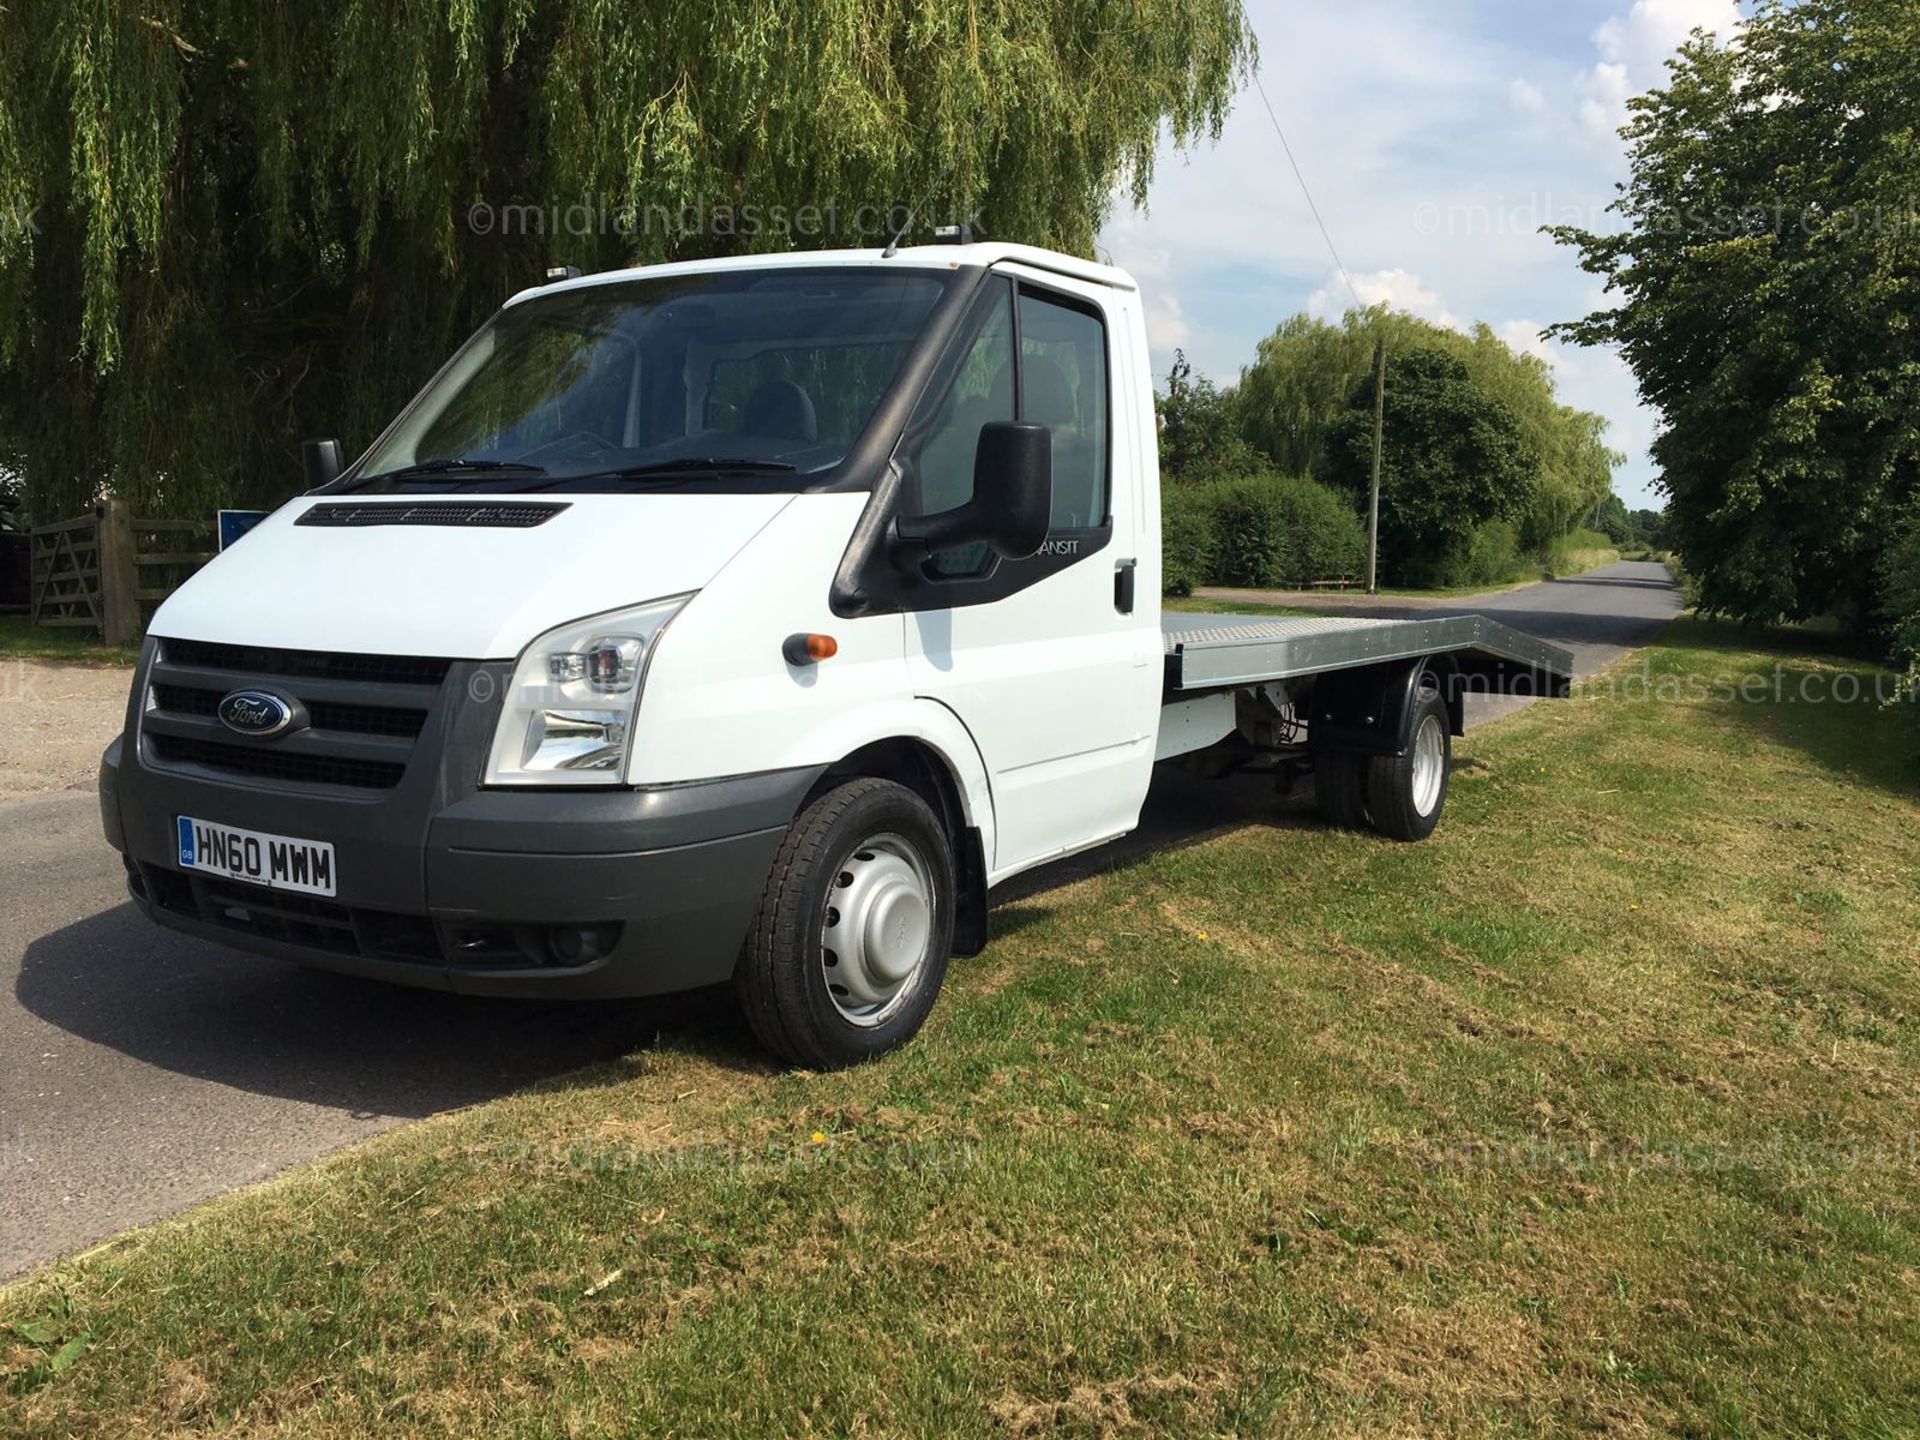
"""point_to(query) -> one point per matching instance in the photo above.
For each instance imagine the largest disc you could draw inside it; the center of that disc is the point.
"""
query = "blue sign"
(235, 523)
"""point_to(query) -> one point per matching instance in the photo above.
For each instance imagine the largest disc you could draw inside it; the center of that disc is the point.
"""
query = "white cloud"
(1525, 337)
(1432, 165)
(1634, 50)
(1527, 97)
(1399, 289)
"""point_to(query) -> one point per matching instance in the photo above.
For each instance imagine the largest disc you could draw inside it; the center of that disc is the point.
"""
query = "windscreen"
(692, 379)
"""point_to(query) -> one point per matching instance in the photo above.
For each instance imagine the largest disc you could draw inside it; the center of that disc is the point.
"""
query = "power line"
(1325, 234)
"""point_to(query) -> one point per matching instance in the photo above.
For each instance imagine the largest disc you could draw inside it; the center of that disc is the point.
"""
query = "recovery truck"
(737, 620)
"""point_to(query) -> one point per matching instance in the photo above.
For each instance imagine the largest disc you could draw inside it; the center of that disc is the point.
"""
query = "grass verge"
(21, 639)
(1596, 1113)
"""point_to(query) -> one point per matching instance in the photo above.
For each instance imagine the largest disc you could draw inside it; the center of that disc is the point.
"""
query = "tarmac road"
(142, 1072)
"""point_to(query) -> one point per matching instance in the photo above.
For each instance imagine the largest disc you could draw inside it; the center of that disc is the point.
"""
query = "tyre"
(1407, 793)
(1339, 789)
(850, 943)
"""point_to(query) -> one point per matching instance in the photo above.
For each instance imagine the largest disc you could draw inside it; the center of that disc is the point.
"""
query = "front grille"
(465, 515)
(305, 664)
(255, 759)
(364, 713)
(347, 718)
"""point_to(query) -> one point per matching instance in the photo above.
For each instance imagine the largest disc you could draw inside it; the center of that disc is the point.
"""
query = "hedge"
(1259, 532)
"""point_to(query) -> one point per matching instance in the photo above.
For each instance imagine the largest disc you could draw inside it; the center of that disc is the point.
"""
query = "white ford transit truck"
(744, 620)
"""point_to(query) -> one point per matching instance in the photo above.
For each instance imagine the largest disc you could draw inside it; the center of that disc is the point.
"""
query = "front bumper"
(445, 885)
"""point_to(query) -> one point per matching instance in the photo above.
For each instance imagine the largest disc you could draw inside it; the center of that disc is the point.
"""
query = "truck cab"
(739, 621)
(531, 698)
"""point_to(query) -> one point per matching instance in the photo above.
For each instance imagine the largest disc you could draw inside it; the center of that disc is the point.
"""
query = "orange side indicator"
(809, 649)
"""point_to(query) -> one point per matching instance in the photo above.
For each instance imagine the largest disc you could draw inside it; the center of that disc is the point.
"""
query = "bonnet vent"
(483, 514)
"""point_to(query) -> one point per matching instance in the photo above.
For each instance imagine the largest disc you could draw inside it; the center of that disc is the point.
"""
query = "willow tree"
(226, 225)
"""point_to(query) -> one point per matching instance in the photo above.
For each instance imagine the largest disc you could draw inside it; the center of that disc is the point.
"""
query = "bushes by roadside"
(1259, 531)
(1186, 539)
(1489, 556)
(1900, 585)
(1578, 553)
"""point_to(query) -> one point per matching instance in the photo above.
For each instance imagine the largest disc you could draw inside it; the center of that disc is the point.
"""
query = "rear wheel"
(851, 940)
(1340, 789)
(1407, 793)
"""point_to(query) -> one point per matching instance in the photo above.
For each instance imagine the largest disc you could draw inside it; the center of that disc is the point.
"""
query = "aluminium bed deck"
(1215, 652)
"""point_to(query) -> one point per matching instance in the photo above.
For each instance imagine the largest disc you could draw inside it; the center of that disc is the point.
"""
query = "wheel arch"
(1368, 710)
(922, 767)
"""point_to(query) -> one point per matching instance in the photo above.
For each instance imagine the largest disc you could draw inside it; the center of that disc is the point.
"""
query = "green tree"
(1298, 388)
(1900, 581)
(225, 225)
(1612, 519)
(1768, 288)
(1456, 459)
(1200, 439)
(1650, 528)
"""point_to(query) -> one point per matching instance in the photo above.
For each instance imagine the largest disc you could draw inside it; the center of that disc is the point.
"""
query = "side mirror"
(1012, 504)
(325, 460)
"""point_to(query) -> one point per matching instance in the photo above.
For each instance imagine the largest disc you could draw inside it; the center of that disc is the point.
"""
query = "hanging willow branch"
(224, 224)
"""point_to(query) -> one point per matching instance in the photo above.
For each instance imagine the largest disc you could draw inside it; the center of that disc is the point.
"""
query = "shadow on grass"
(1181, 810)
(1838, 717)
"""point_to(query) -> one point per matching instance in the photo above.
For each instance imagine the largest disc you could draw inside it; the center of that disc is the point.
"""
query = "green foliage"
(1200, 439)
(1489, 556)
(1650, 528)
(1186, 539)
(225, 225)
(1767, 294)
(1900, 582)
(1299, 391)
(1578, 553)
(1612, 520)
(1456, 457)
(1263, 531)
(1299, 386)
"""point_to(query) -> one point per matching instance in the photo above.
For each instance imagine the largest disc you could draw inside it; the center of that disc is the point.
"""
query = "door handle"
(1123, 572)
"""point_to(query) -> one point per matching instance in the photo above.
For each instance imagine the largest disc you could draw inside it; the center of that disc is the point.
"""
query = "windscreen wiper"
(457, 467)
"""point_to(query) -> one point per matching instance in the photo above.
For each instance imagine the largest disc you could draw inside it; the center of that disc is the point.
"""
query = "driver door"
(1045, 659)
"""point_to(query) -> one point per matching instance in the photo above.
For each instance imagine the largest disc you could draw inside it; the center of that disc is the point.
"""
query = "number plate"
(278, 862)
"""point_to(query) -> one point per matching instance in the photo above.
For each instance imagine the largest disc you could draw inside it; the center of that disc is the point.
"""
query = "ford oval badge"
(256, 713)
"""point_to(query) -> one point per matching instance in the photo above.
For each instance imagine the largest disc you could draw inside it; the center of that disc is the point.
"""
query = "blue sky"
(1437, 135)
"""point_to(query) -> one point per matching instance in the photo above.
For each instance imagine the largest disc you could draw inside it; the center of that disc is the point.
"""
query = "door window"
(1037, 359)
(982, 393)
(1063, 386)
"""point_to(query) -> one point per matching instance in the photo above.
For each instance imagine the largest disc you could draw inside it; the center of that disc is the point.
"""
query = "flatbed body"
(1222, 652)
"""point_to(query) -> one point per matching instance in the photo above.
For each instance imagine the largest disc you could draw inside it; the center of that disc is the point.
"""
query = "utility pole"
(1379, 444)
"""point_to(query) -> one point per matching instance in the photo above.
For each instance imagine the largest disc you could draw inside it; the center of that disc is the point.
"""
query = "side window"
(1063, 385)
(982, 393)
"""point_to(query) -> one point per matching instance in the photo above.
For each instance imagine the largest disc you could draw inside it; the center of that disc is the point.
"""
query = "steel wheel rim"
(1429, 764)
(877, 930)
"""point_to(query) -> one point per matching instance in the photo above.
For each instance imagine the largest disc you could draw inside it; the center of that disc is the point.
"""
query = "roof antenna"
(893, 245)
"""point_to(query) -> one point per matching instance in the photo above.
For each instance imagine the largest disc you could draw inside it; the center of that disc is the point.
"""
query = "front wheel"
(1406, 793)
(851, 940)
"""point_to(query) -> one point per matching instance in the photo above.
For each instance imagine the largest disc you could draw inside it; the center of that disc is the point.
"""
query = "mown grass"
(21, 639)
(1201, 605)
(1598, 1114)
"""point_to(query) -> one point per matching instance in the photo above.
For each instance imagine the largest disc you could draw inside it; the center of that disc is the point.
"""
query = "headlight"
(569, 711)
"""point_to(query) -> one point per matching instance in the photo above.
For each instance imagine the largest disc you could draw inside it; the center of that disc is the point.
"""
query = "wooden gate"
(64, 573)
(105, 571)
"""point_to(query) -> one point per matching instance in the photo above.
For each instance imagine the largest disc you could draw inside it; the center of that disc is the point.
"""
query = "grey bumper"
(468, 891)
